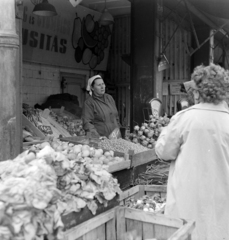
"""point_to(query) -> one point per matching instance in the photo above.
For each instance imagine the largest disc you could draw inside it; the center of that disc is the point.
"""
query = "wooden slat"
(140, 193)
(31, 127)
(159, 219)
(148, 230)
(55, 131)
(175, 101)
(86, 227)
(181, 55)
(46, 114)
(164, 232)
(128, 193)
(134, 225)
(120, 223)
(143, 157)
(101, 232)
(172, 46)
(111, 229)
(92, 235)
(184, 232)
(155, 188)
(119, 166)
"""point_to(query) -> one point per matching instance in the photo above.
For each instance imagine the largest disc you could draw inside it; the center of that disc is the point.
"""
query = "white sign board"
(73, 38)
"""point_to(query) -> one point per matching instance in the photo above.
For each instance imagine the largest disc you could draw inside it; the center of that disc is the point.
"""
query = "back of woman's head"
(210, 82)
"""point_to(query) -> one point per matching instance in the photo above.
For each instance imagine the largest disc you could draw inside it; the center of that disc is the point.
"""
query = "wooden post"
(211, 47)
(10, 136)
(142, 86)
(158, 76)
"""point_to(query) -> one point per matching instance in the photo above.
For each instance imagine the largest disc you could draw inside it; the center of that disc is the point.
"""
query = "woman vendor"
(197, 142)
(100, 115)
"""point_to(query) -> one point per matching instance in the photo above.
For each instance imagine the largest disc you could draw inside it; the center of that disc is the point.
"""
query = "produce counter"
(127, 171)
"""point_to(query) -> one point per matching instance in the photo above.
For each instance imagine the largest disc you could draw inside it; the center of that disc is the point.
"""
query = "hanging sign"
(73, 38)
(175, 88)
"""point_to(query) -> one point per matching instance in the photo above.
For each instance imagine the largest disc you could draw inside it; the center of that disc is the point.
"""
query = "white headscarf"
(90, 81)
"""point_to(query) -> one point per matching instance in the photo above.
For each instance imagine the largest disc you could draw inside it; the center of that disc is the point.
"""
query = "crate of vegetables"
(137, 153)
(121, 223)
(149, 198)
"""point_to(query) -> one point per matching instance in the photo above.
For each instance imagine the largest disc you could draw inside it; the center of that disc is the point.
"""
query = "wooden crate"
(112, 168)
(150, 226)
(73, 219)
(113, 224)
(46, 114)
(142, 157)
(31, 127)
(119, 166)
(100, 227)
(141, 190)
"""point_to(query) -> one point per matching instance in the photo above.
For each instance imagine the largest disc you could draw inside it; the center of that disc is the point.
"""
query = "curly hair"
(210, 82)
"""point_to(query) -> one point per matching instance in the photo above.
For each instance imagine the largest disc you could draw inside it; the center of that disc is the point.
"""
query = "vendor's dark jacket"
(100, 114)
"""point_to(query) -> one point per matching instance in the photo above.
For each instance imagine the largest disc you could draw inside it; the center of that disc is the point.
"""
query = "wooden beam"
(192, 25)
(217, 30)
(204, 18)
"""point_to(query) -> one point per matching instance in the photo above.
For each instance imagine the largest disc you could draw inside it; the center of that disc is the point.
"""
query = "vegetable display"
(34, 117)
(49, 180)
(156, 173)
(154, 203)
(121, 145)
(83, 175)
(28, 197)
(149, 132)
(74, 127)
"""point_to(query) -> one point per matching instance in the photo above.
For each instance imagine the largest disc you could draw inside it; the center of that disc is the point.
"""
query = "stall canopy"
(214, 13)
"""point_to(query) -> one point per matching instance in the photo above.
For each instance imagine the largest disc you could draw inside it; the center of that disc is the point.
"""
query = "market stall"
(71, 194)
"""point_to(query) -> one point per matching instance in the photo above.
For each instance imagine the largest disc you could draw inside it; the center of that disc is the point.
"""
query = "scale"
(155, 107)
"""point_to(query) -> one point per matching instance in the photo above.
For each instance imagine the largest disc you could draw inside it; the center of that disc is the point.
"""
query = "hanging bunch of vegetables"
(149, 132)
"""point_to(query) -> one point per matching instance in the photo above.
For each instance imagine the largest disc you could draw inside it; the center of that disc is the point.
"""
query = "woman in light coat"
(197, 142)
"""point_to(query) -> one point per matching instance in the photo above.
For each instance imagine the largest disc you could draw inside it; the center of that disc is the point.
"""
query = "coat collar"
(221, 107)
(101, 99)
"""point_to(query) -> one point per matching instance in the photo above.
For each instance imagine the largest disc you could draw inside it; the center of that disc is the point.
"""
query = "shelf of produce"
(31, 127)
(46, 114)
(73, 219)
(139, 191)
(123, 223)
(81, 140)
